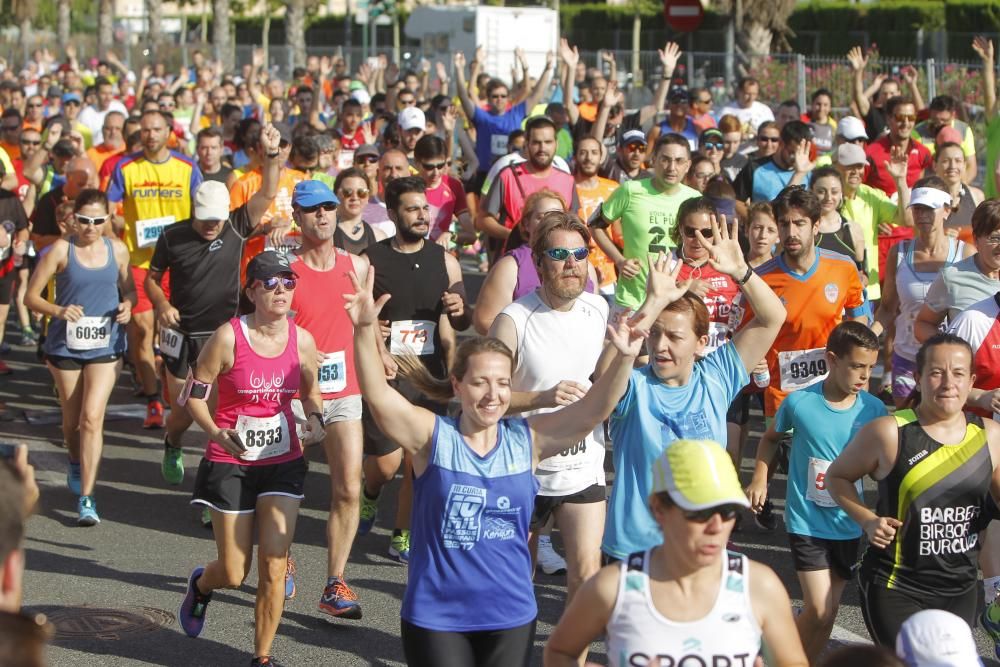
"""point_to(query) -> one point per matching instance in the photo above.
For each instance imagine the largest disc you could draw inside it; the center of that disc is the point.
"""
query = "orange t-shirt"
(590, 200)
(13, 150)
(246, 186)
(100, 153)
(816, 302)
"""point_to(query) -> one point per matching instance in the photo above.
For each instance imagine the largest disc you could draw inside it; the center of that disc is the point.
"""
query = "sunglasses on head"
(432, 166)
(87, 220)
(717, 145)
(349, 192)
(327, 206)
(271, 284)
(562, 254)
(725, 512)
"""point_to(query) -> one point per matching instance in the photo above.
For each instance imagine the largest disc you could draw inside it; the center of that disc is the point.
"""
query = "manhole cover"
(74, 623)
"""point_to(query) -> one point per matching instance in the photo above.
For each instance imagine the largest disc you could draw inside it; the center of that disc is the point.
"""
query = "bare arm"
(858, 61)
(542, 86)
(766, 449)
(463, 91)
(495, 294)
(456, 305)
(51, 263)
(769, 599)
(604, 111)
(984, 48)
(669, 55)
(584, 619)
(927, 322)
(909, 76)
(570, 58)
(260, 202)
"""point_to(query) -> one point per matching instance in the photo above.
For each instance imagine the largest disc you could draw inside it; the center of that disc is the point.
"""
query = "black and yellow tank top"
(937, 491)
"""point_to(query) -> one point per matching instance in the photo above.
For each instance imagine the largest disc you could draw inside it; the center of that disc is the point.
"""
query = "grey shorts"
(343, 409)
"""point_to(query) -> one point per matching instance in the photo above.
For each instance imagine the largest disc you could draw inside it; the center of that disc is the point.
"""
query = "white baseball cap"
(936, 638)
(412, 118)
(850, 154)
(211, 201)
(929, 197)
(851, 128)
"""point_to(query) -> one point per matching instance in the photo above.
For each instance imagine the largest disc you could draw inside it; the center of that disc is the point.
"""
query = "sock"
(150, 398)
(330, 580)
(397, 532)
(990, 586)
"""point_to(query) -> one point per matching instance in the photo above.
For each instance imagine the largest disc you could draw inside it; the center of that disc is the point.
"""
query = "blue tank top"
(469, 537)
(96, 291)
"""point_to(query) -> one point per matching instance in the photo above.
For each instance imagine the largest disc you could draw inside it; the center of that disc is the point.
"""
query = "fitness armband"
(193, 389)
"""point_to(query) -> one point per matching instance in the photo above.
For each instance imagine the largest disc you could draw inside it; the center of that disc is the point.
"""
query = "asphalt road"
(112, 590)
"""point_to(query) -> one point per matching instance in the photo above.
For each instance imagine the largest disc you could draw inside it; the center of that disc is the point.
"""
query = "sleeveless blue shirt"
(470, 568)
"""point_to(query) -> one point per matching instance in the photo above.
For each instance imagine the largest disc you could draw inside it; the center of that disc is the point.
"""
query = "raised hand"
(566, 392)
(368, 132)
(662, 285)
(569, 54)
(458, 60)
(669, 55)
(611, 94)
(361, 306)
(896, 165)
(270, 140)
(909, 75)
(480, 54)
(857, 59)
(448, 120)
(608, 57)
(803, 165)
(364, 74)
(627, 341)
(983, 48)
(724, 252)
(442, 71)
(257, 58)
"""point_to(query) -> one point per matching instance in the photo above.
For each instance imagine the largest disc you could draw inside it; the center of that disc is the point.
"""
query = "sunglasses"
(348, 193)
(905, 117)
(271, 284)
(327, 206)
(717, 145)
(691, 232)
(725, 512)
(768, 140)
(635, 147)
(367, 159)
(34, 105)
(26, 142)
(708, 101)
(87, 220)
(562, 254)
(432, 166)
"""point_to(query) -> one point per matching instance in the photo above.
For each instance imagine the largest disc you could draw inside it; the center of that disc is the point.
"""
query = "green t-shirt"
(869, 208)
(992, 154)
(647, 217)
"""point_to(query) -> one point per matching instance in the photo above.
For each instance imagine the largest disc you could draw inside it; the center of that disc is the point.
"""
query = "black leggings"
(885, 609)
(486, 648)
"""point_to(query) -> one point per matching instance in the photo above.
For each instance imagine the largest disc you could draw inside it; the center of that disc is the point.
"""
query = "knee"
(272, 567)
(820, 617)
(92, 420)
(346, 492)
(234, 573)
(578, 570)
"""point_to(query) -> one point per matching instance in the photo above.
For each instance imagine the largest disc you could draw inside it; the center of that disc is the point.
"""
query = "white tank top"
(728, 636)
(911, 287)
(553, 346)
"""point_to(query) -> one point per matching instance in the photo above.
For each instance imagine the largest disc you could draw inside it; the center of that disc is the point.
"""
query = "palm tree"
(758, 22)
(222, 47)
(105, 25)
(63, 18)
(154, 13)
(295, 32)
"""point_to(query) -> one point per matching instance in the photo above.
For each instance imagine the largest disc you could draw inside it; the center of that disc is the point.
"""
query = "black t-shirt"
(875, 122)
(416, 282)
(630, 121)
(204, 275)
(222, 176)
(11, 209)
(43, 218)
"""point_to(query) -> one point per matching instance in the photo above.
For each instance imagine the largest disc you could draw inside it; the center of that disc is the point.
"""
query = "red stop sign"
(683, 15)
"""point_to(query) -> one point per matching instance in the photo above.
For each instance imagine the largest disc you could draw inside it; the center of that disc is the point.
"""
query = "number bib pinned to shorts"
(801, 368)
(412, 337)
(171, 342)
(333, 373)
(89, 333)
(263, 437)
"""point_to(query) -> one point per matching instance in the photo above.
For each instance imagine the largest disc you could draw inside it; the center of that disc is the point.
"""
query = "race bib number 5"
(263, 437)
(333, 373)
(816, 490)
(88, 333)
(412, 337)
(801, 368)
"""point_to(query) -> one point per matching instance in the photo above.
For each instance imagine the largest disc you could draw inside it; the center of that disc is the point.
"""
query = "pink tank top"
(255, 399)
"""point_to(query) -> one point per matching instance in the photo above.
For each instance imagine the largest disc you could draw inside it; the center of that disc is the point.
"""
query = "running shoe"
(173, 463)
(206, 518)
(191, 615)
(548, 560)
(88, 512)
(290, 578)
(369, 510)
(991, 623)
(4, 368)
(28, 336)
(399, 547)
(154, 415)
(339, 600)
(73, 477)
(266, 660)
(766, 519)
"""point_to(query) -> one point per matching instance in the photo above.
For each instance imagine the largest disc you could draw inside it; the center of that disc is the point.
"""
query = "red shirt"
(447, 200)
(918, 160)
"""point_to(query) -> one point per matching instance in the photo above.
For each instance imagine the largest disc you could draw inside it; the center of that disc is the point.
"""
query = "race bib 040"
(171, 342)
(88, 333)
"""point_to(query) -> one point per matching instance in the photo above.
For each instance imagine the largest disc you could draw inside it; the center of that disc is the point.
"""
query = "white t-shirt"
(94, 119)
(750, 118)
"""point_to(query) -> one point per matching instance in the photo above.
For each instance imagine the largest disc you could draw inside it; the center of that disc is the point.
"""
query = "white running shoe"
(550, 562)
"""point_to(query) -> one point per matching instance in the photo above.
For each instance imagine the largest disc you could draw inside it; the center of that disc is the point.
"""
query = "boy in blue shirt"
(823, 418)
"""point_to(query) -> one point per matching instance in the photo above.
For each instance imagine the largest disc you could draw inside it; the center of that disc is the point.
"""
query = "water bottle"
(762, 379)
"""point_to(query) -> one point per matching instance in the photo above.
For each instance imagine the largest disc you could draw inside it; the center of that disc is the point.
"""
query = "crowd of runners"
(281, 263)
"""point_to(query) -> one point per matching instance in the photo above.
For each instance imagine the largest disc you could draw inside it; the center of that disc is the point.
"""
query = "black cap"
(267, 265)
(679, 96)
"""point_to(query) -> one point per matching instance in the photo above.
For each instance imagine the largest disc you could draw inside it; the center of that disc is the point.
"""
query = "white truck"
(443, 30)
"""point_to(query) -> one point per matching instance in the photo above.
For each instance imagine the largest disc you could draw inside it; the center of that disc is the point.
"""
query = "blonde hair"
(441, 390)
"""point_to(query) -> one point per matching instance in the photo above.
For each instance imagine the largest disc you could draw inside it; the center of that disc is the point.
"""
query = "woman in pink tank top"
(253, 471)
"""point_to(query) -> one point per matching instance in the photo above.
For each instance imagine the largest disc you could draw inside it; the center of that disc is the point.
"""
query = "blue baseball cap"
(72, 97)
(312, 193)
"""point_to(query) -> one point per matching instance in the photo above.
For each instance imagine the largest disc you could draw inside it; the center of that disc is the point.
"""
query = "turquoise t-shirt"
(821, 432)
(650, 416)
